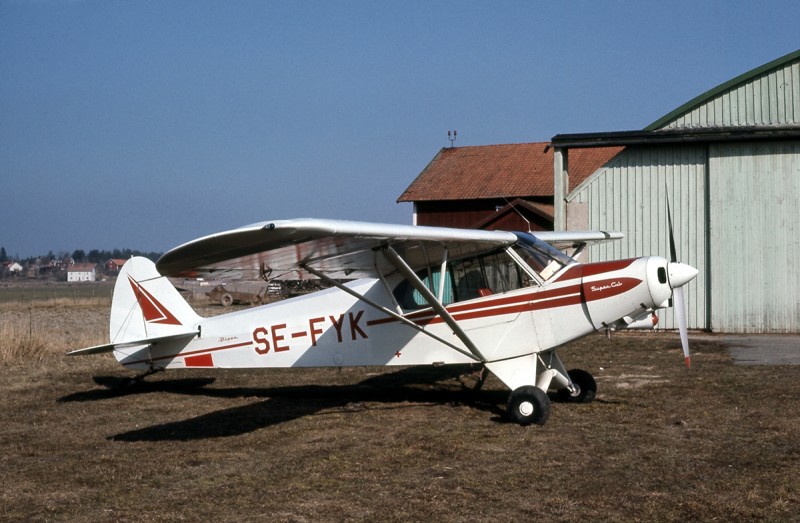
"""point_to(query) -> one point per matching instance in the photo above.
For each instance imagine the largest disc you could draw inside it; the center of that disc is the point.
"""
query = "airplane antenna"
(452, 137)
(520, 214)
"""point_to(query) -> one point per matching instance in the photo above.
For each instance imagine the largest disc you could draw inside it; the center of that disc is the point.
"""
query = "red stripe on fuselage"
(529, 301)
(585, 270)
(592, 269)
(192, 353)
(202, 360)
(538, 300)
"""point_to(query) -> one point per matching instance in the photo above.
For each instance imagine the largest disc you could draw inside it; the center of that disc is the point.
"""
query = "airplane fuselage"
(334, 328)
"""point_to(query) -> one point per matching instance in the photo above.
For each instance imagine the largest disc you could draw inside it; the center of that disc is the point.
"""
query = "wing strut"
(435, 304)
(399, 317)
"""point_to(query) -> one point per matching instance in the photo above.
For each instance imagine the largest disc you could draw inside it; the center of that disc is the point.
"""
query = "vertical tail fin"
(147, 305)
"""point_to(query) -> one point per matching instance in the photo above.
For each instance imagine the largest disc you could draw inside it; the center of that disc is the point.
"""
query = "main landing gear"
(529, 404)
(583, 385)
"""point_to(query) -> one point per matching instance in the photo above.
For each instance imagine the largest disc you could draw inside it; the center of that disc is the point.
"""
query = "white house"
(82, 272)
(13, 266)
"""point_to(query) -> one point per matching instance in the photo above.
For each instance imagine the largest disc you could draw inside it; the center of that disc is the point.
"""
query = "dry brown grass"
(718, 442)
(20, 344)
(38, 329)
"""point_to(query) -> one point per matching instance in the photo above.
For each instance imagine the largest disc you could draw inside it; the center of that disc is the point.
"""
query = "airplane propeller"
(679, 275)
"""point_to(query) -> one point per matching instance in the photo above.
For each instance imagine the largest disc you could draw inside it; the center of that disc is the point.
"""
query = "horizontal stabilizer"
(109, 347)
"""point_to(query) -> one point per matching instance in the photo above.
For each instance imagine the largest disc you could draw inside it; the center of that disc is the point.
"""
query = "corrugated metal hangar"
(729, 162)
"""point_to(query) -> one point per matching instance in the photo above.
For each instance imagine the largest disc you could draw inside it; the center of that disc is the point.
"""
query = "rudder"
(147, 305)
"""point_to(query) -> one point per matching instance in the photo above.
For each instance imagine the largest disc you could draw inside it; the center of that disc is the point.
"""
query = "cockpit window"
(487, 274)
(544, 259)
(464, 280)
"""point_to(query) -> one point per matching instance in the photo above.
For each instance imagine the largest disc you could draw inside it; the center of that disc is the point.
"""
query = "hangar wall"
(735, 204)
(754, 202)
(630, 195)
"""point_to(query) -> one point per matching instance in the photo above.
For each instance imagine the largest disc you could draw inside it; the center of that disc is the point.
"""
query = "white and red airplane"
(398, 295)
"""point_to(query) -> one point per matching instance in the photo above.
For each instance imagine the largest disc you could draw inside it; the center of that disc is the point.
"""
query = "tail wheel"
(585, 388)
(529, 405)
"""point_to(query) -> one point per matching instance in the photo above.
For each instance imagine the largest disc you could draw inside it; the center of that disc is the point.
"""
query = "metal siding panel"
(750, 106)
(760, 101)
(629, 196)
(755, 226)
(738, 107)
(795, 89)
(780, 97)
(767, 98)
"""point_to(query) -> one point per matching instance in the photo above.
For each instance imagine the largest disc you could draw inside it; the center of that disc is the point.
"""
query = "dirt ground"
(660, 443)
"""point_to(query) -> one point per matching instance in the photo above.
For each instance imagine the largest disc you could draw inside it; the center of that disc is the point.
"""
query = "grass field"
(717, 442)
(72, 293)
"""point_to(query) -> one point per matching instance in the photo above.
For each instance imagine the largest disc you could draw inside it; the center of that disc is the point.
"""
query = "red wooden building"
(507, 186)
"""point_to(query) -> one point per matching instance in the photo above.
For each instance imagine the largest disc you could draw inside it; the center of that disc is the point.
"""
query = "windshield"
(464, 279)
(544, 259)
(486, 274)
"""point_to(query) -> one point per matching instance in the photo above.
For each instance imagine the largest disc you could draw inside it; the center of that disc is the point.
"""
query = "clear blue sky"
(145, 124)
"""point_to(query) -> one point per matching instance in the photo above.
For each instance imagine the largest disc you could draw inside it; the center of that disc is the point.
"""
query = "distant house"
(12, 266)
(114, 264)
(82, 272)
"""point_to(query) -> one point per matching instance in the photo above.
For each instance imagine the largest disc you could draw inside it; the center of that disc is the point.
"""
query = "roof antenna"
(453, 138)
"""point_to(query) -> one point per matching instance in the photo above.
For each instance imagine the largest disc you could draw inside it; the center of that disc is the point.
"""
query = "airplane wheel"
(585, 385)
(226, 300)
(528, 404)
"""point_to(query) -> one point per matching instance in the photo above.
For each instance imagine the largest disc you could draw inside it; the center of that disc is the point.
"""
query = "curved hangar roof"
(766, 95)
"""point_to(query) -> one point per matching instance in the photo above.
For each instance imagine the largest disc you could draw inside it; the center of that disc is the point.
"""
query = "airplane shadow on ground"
(396, 390)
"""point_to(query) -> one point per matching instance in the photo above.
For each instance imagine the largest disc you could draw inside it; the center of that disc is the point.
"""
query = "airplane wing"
(340, 249)
(564, 240)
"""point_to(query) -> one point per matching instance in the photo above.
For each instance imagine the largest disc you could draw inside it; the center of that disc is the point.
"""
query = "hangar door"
(754, 221)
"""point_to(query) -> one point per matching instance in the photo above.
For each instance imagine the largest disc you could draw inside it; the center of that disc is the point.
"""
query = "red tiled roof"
(500, 171)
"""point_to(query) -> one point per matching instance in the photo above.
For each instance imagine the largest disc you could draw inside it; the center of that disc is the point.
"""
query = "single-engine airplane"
(398, 295)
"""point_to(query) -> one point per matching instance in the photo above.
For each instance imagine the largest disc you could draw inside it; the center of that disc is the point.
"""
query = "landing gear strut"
(528, 405)
(129, 383)
(584, 385)
(474, 381)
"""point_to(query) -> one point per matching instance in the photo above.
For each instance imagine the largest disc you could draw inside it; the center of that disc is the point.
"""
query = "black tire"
(586, 388)
(226, 300)
(528, 405)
